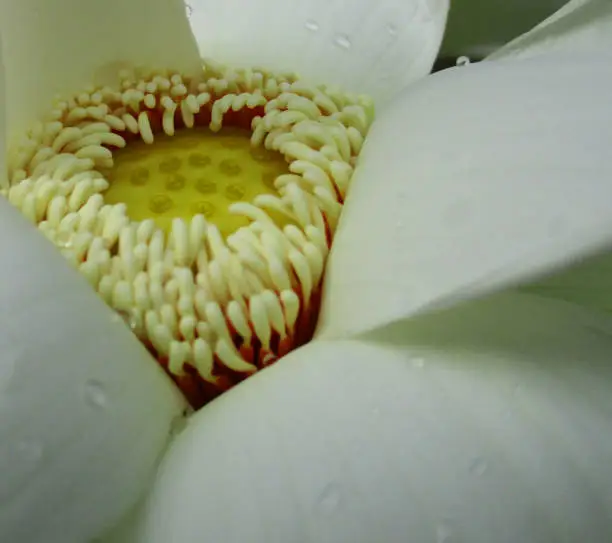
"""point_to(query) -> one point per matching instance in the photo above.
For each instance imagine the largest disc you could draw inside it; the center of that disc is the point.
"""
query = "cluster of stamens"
(212, 309)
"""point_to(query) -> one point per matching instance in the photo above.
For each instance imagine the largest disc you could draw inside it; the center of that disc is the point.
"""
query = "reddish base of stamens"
(199, 392)
(171, 265)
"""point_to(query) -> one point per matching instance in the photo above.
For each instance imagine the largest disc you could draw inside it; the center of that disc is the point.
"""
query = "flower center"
(193, 172)
(202, 209)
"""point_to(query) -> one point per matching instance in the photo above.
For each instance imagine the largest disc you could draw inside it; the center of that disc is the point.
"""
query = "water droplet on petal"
(391, 29)
(311, 25)
(63, 240)
(329, 499)
(478, 466)
(418, 362)
(94, 393)
(343, 41)
(518, 391)
(463, 61)
(120, 316)
(178, 424)
(443, 533)
(129, 318)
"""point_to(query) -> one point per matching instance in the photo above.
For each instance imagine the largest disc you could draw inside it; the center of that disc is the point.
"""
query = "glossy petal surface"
(65, 45)
(375, 47)
(487, 423)
(85, 413)
(475, 179)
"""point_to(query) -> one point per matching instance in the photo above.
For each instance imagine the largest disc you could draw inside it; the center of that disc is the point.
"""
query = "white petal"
(63, 46)
(579, 26)
(477, 178)
(492, 426)
(367, 46)
(85, 413)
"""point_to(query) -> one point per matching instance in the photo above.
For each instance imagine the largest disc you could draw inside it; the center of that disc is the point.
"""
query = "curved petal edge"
(85, 412)
(64, 46)
(579, 26)
(475, 179)
(364, 46)
(413, 435)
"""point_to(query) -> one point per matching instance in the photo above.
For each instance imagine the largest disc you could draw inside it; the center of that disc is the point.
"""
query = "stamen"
(214, 298)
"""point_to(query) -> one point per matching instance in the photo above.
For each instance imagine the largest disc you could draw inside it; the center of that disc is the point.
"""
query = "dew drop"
(125, 317)
(188, 10)
(391, 29)
(443, 533)
(311, 25)
(329, 499)
(518, 391)
(478, 466)
(63, 240)
(418, 362)
(178, 424)
(95, 394)
(343, 41)
(463, 61)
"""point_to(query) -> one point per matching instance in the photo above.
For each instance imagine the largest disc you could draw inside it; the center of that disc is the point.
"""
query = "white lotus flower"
(435, 403)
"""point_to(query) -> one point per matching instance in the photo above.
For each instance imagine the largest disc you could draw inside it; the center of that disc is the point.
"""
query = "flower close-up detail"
(267, 278)
(135, 186)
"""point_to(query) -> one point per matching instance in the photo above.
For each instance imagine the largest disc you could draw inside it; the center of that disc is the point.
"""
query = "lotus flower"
(449, 390)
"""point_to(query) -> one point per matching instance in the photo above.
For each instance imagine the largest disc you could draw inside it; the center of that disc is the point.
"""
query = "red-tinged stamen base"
(202, 211)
